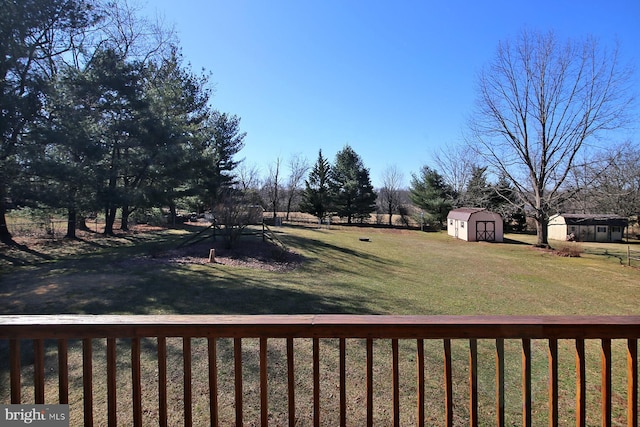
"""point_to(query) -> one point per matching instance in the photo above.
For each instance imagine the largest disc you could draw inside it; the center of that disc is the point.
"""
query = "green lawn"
(395, 272)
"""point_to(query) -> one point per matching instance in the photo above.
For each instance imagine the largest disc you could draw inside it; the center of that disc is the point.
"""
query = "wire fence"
(51, 228)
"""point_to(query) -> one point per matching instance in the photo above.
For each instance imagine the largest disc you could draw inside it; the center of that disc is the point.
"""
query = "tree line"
(100, 113)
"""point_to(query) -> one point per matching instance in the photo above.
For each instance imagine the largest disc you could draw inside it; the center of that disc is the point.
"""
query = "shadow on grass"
(21, 255)
(322, 248)
(159, 287)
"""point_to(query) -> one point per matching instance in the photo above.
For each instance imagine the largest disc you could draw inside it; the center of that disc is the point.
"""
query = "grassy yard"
(394, 272)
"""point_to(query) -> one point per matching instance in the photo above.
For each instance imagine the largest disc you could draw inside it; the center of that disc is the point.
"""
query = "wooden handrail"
(16, 328)
(320, 326)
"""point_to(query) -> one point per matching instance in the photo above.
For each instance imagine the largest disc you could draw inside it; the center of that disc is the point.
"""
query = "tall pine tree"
(317, 197)
(429, 192)
(351, 185)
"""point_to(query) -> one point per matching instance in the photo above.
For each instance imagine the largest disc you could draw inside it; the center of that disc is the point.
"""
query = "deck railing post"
(605, 355)
(369, 382)
(473, 382)
(162, 381)
(316, 381)
(632, 382)
(343, 382)
(448, 383)
(111, 382)
(237, 356)
(420, 377)
(395, 382)
(15, 371)
(500, 382)
(581, 385)
(264, 400)
(63, 371)
(526, 382)
(291, 383)
(87, 381)
(38, 370)
(187, 377)
(213, 380)
(553, 383)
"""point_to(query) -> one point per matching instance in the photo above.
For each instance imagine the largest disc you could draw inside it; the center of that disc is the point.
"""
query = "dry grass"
(395, 272)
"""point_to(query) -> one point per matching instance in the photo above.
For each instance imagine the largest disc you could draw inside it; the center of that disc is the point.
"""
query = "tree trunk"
(172, 214)
(542, 233)
(288, 208)
(71, 224)
(124, 222)
(390, 211)
(81, 223)
(5, 235)
(109, 220)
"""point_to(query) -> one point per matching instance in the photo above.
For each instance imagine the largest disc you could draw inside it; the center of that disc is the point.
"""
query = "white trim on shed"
(475, 224)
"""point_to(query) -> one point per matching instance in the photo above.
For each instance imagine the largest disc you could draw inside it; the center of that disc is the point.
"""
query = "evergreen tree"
(429, 192)
(478, 191)
(222, 141)
(33, 33)
(353, 193)
(317, 198)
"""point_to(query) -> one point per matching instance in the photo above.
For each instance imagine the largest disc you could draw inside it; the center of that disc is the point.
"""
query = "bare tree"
(298, 168)
(272, 186)
(609, 182)
(392, 181)
(126, 30)
(455, 163)
(249, 182)
(539, 101)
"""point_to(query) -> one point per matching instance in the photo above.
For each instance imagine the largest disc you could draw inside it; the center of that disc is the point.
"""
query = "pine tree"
(354, 195)
(317, 198)
(428, 191)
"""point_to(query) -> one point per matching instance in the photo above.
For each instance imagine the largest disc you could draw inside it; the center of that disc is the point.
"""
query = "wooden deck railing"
(469, 329)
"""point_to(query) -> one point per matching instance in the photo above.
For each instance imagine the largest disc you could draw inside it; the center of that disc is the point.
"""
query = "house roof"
(463, 214)
(595, 219)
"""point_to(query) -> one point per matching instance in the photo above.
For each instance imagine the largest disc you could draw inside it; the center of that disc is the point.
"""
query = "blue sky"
(394, 80)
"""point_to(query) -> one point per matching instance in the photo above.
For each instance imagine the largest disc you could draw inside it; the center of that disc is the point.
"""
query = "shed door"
(486, 231)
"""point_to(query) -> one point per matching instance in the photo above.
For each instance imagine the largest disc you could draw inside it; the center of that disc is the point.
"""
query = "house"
(587, 227)
(475, 224)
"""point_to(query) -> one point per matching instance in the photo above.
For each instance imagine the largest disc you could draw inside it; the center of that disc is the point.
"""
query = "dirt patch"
(249, 254)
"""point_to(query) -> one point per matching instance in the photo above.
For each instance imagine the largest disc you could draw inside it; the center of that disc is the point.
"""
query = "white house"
(475, 224)
(587, 228)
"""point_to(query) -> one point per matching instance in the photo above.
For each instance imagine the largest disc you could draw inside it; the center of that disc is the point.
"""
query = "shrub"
(572, 250)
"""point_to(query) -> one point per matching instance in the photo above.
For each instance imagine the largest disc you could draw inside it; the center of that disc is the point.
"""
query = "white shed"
(475, 224)
(587, 228)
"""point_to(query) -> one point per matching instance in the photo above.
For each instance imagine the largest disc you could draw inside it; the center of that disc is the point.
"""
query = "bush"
(572, 250)
(151, 216)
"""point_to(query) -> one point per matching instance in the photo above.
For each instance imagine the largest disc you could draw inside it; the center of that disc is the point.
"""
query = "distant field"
(392, 272)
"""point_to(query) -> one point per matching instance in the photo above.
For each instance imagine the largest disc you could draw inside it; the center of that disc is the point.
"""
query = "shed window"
(450, 222)
(573, 228)
(602, 229)
(461, 224)
(616, 230)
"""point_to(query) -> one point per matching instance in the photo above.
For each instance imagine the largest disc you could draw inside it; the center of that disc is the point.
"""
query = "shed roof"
(463, 214)
(595, 219)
